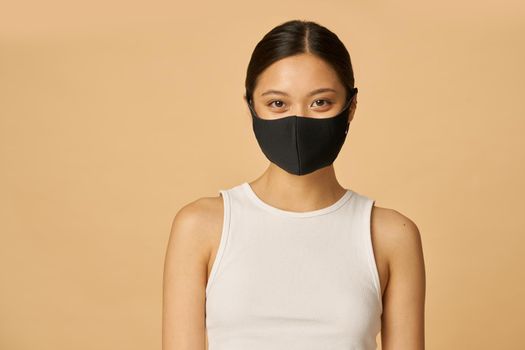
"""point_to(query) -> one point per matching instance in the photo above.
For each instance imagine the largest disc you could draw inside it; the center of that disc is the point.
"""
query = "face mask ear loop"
(354, 92)
(249, 102)
(349, 101)
(347, 105)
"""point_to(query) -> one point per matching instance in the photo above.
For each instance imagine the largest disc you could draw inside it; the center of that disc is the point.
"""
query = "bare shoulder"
(398, 247)
(394, 233)
(398, 241)
(185, 272)
(198, 220)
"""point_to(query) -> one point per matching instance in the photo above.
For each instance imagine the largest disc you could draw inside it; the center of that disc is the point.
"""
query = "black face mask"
(301, 145)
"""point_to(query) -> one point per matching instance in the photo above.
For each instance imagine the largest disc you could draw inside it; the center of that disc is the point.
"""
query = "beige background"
(116, 114)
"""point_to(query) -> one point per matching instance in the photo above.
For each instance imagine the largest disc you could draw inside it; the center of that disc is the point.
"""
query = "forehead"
(298, 75)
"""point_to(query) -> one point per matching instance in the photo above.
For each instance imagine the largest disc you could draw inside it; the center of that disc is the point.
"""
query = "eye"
(279, 103)
(325, 103)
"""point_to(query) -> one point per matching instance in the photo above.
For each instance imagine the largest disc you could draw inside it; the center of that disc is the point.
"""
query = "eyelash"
(327, 102)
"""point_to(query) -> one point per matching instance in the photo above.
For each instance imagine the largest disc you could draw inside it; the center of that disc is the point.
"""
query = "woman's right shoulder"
(199, 221)
(185, 271)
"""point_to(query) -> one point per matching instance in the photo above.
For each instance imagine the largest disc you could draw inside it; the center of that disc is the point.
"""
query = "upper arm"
(184, 278)
(404, 298)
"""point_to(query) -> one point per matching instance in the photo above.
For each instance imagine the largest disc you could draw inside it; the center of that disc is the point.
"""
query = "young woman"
(293, 260)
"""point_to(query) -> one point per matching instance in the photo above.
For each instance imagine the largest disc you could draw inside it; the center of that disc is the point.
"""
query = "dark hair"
(296, 37)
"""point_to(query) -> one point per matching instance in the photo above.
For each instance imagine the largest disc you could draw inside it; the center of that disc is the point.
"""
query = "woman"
(293, 260)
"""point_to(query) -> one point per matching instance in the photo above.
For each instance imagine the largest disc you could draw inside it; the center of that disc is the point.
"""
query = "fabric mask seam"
(297, 143)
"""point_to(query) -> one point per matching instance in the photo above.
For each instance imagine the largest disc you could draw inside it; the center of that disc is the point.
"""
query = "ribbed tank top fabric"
(293, 280)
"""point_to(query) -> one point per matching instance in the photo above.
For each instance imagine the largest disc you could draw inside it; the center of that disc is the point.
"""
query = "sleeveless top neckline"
(334, 206)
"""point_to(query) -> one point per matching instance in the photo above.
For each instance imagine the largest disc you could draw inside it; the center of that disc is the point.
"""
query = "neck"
(299, 193)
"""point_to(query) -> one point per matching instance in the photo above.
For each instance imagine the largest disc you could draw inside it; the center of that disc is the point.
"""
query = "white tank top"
(285, 280)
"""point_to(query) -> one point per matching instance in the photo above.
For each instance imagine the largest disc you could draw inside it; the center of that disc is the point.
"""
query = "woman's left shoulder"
(396, 235)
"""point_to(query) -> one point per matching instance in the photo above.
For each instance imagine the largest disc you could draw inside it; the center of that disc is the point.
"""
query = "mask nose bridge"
(296, 121)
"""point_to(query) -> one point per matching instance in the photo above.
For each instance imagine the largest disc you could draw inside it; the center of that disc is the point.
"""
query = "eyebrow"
(314, 92)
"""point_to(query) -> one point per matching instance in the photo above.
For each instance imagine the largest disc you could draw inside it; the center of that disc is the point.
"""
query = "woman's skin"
(196, 228)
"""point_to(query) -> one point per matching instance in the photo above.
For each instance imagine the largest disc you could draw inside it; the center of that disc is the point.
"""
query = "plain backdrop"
(113, 115)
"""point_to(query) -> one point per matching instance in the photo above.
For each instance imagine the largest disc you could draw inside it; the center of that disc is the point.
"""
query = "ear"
(353, 106)
(247, 106)
(246, 100)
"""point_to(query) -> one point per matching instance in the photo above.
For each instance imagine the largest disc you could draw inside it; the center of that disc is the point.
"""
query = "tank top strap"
(226, 197)
(362, 208)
